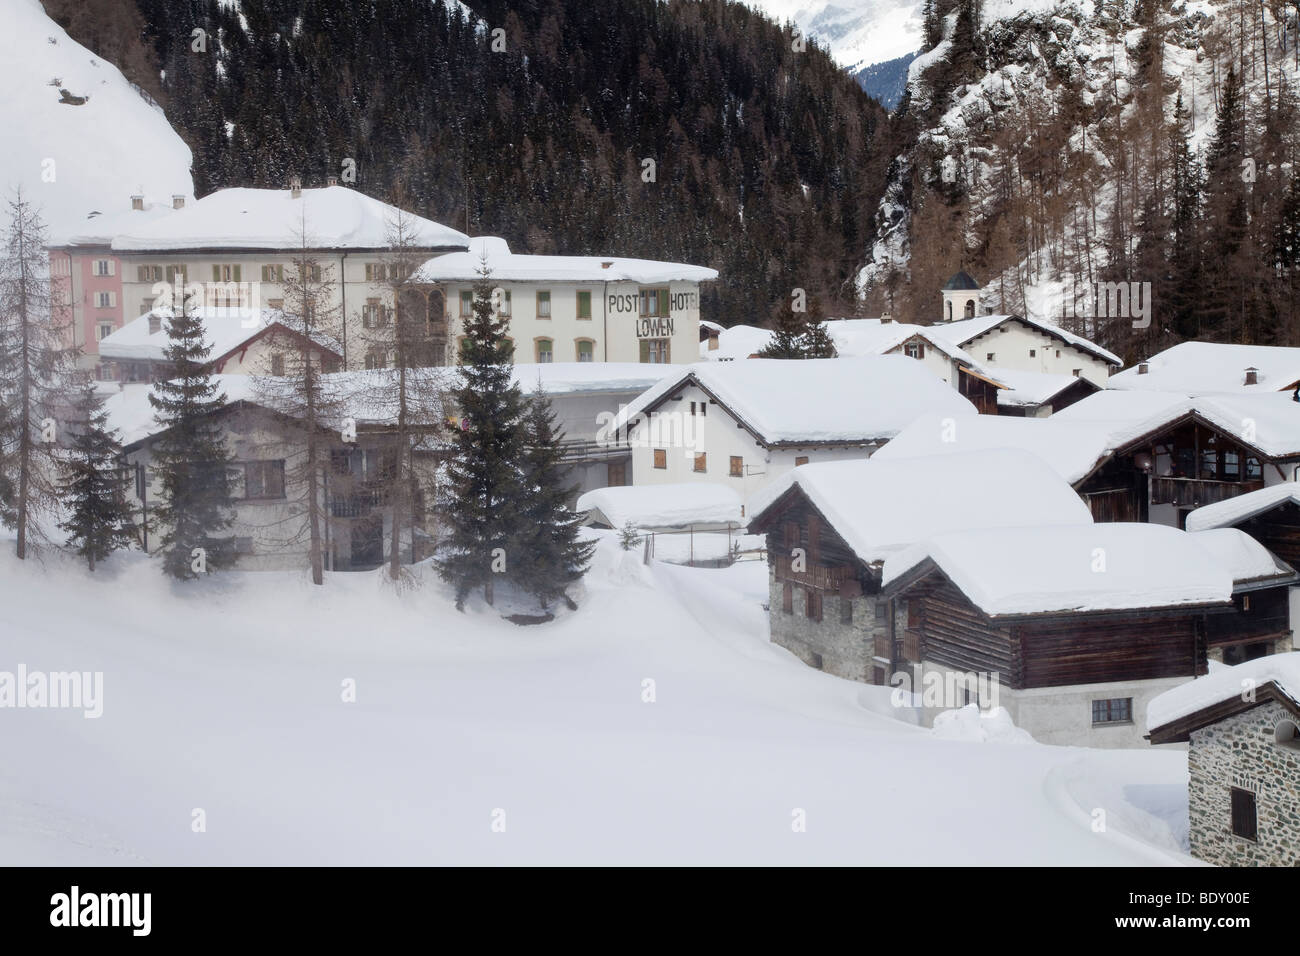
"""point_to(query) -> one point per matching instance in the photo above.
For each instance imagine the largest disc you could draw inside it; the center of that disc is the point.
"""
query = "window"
(800, 460)
(846, 611)
(543, 305)
(273, 273)
(105, 300)
(1115, 710)
(1286, 734)
(661, 458)
(264, 479)
(654, 302)
(654, 351)
(373, 314)
(146, 306)
(702, 462)
(1058, 353)
(1231, 465)
(812, 604)
(467, 303)
(376, 358)
(1033, 352)
(586, 350)
(277, 364)
(990, 357)
(545, 351)
(1244, 814)
(737, 467)
(375, 272)
(177, 274)
(155, 324)
(692, 409)
(275, 304)
(787, 598)
(1253, 469)
(104, 330)
(1076, 372)
(584, 304)
(882, 611)
(103, 267)
(148, 273)
(228, 272)
(914, 350)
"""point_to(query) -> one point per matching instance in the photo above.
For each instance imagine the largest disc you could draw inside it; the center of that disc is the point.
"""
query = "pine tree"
(785, 341)
(94, 488)
(483, 489)
(815, 342)
(550, 555)
(36, 365)
(629, 536)
(194, 467)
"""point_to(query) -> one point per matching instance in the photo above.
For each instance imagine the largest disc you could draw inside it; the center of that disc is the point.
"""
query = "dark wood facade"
(1188, 464)
(1277, 529)
(1047, 650)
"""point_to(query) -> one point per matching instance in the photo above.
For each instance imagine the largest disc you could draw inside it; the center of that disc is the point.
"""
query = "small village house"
(745, 424)
(1241, 726)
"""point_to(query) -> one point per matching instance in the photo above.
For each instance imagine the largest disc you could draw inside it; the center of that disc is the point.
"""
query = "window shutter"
(112, 300)
(645, 350)
(663, 301)
(216, 273)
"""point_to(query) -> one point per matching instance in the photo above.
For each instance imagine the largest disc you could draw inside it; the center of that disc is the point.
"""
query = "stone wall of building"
(1242, 751)
(839, 648)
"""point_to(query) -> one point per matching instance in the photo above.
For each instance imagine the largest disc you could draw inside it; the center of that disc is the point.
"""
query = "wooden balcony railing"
(1195, 492)
(813, 576)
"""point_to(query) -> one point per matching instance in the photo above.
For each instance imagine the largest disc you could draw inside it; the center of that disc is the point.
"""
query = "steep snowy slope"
(858, 33)
(89, 149)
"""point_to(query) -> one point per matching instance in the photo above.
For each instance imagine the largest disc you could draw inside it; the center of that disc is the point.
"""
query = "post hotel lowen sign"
(652, 326)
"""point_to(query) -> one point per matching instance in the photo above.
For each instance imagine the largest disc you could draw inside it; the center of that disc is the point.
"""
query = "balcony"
(1196, 492)
(814, 576)
(359, 504)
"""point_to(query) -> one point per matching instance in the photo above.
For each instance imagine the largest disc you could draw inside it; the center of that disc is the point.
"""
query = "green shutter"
(216, 273)
(663, 301)
(645, 350)
(237, 278)
(584, 305)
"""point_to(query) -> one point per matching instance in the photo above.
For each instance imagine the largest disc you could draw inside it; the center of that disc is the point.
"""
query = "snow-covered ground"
(227, 696)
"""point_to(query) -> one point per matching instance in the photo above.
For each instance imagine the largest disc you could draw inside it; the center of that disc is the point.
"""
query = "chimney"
(1143, 368)
(178, 201)
(886, 318)
(137, 202)
(606, 265)
(1252, 376)
(713, 340)
(331, 180)
(295, 187)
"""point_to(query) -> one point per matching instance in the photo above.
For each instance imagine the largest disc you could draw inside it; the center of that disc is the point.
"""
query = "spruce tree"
(550, 556)
(815, 342)
(195, 469)
(483, 488)
(94, 487)
(785, 341)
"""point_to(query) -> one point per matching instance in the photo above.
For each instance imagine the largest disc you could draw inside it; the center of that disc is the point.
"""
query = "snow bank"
(1244, 557)
(1226, 684)
(72, 160)
(664, 506)
(882, 506)
(973, 725)
(1101, 567)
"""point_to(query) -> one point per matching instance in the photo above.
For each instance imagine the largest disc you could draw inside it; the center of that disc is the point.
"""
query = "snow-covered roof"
(963, 331)
(1225, 684)
(874, 337)
(1029, 389)
(1233, 511)
(1071, 450)
(880, 507)
(569, 378)
(1267, 421)
(1245, 558)
(737, 342)
(1099, 567)
(665, 506)
(815, 401)
(1199, 368)
(507, 266)
(367, 397)
(225, 330)
(102, 229)
(335, 217)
